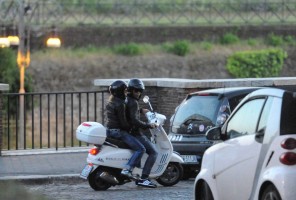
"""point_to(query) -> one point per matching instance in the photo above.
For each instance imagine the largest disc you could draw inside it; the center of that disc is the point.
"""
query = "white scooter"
(109, 156)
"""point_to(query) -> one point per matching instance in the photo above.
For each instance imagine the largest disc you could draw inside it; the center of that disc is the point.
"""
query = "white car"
(256, 159)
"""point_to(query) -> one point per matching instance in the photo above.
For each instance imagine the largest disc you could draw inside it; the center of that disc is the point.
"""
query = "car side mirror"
(214, 133)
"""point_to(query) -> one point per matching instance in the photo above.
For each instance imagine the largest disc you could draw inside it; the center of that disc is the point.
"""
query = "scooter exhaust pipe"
(109, 178)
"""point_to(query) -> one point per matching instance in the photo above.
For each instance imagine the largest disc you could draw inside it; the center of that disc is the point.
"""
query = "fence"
(151, 12)
(50, 119)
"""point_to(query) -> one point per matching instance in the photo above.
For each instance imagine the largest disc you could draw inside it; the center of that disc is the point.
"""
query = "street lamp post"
(23, 56)
(23, 61)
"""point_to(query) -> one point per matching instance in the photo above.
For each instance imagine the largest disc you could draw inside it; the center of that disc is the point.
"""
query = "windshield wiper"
(188, 121)
(197, 118)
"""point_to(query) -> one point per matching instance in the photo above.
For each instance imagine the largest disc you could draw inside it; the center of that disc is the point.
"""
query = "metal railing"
(50, 119)
(152, 12)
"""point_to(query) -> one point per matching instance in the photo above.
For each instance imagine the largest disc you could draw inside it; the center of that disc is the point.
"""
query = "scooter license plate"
(86, 171)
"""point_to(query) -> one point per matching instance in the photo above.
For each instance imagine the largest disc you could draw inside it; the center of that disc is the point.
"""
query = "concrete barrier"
(167, 93)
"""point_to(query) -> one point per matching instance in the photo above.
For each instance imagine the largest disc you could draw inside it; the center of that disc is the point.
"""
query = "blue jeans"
(152, 155)
(133, 143)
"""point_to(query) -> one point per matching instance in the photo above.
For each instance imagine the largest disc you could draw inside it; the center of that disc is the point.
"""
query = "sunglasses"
(138, 90)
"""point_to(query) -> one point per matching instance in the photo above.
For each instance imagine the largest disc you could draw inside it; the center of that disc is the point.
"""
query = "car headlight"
(222, 118)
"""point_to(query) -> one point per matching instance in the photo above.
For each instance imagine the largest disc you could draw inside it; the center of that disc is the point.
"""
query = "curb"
(44, 151)
(44, 179)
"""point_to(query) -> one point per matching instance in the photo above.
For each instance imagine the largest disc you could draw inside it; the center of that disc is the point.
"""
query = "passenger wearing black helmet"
(118, 126)
(135, 90)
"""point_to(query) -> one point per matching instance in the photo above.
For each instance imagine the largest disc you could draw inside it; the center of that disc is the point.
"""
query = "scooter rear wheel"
(172, 174)
(96, 182)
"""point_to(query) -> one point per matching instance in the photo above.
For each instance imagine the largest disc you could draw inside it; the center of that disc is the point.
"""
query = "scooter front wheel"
(172, 174)
(96, 182)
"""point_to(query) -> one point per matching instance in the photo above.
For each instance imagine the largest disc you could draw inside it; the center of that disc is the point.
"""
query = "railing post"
(103, 109)
(1, 125)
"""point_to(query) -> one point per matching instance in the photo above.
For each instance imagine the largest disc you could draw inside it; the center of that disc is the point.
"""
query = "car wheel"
(270, 193)
(204, 192)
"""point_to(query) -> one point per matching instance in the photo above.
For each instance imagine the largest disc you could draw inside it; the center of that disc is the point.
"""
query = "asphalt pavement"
(42, 165)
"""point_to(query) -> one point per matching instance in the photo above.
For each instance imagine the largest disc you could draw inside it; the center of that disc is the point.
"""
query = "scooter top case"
(91, 132)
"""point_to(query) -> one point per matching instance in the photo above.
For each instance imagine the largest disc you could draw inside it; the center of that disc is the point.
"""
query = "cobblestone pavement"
(81, 190)
(56, 176)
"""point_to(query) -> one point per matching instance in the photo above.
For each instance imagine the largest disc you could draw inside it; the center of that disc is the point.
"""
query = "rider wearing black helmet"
(118, 89)
(135, 90)
(118, 126)
(116, 106)
(136, 85)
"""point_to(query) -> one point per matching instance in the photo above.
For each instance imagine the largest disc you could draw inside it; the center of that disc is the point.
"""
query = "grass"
(229, 40)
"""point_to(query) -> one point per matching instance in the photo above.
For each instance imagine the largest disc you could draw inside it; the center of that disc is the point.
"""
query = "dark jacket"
(116, 114)
(133, 115)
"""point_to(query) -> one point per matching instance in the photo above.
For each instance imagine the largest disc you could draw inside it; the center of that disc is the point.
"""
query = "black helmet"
(117, 89)
(136, 84)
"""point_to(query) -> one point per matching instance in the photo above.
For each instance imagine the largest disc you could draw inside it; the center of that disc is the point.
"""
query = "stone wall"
(80, 36)
(166, 93)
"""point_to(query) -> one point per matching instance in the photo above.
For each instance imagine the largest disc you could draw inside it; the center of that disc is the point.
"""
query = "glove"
(152, 125)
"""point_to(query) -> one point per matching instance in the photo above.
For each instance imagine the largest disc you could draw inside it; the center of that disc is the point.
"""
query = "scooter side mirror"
(146, 99)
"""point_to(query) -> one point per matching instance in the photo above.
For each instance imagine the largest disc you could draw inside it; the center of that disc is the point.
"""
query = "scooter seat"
(117, 142)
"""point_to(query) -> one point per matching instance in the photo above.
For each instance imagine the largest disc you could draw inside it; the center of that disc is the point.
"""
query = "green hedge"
(130, 49)
(179, 47)
(256, 64)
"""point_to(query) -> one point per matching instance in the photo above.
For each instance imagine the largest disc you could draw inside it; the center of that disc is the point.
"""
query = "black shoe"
(146, 183)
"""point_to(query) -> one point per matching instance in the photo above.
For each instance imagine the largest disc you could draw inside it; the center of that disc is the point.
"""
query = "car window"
(197, 107)
(245, 120)
(264, 116)
(234, 101)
